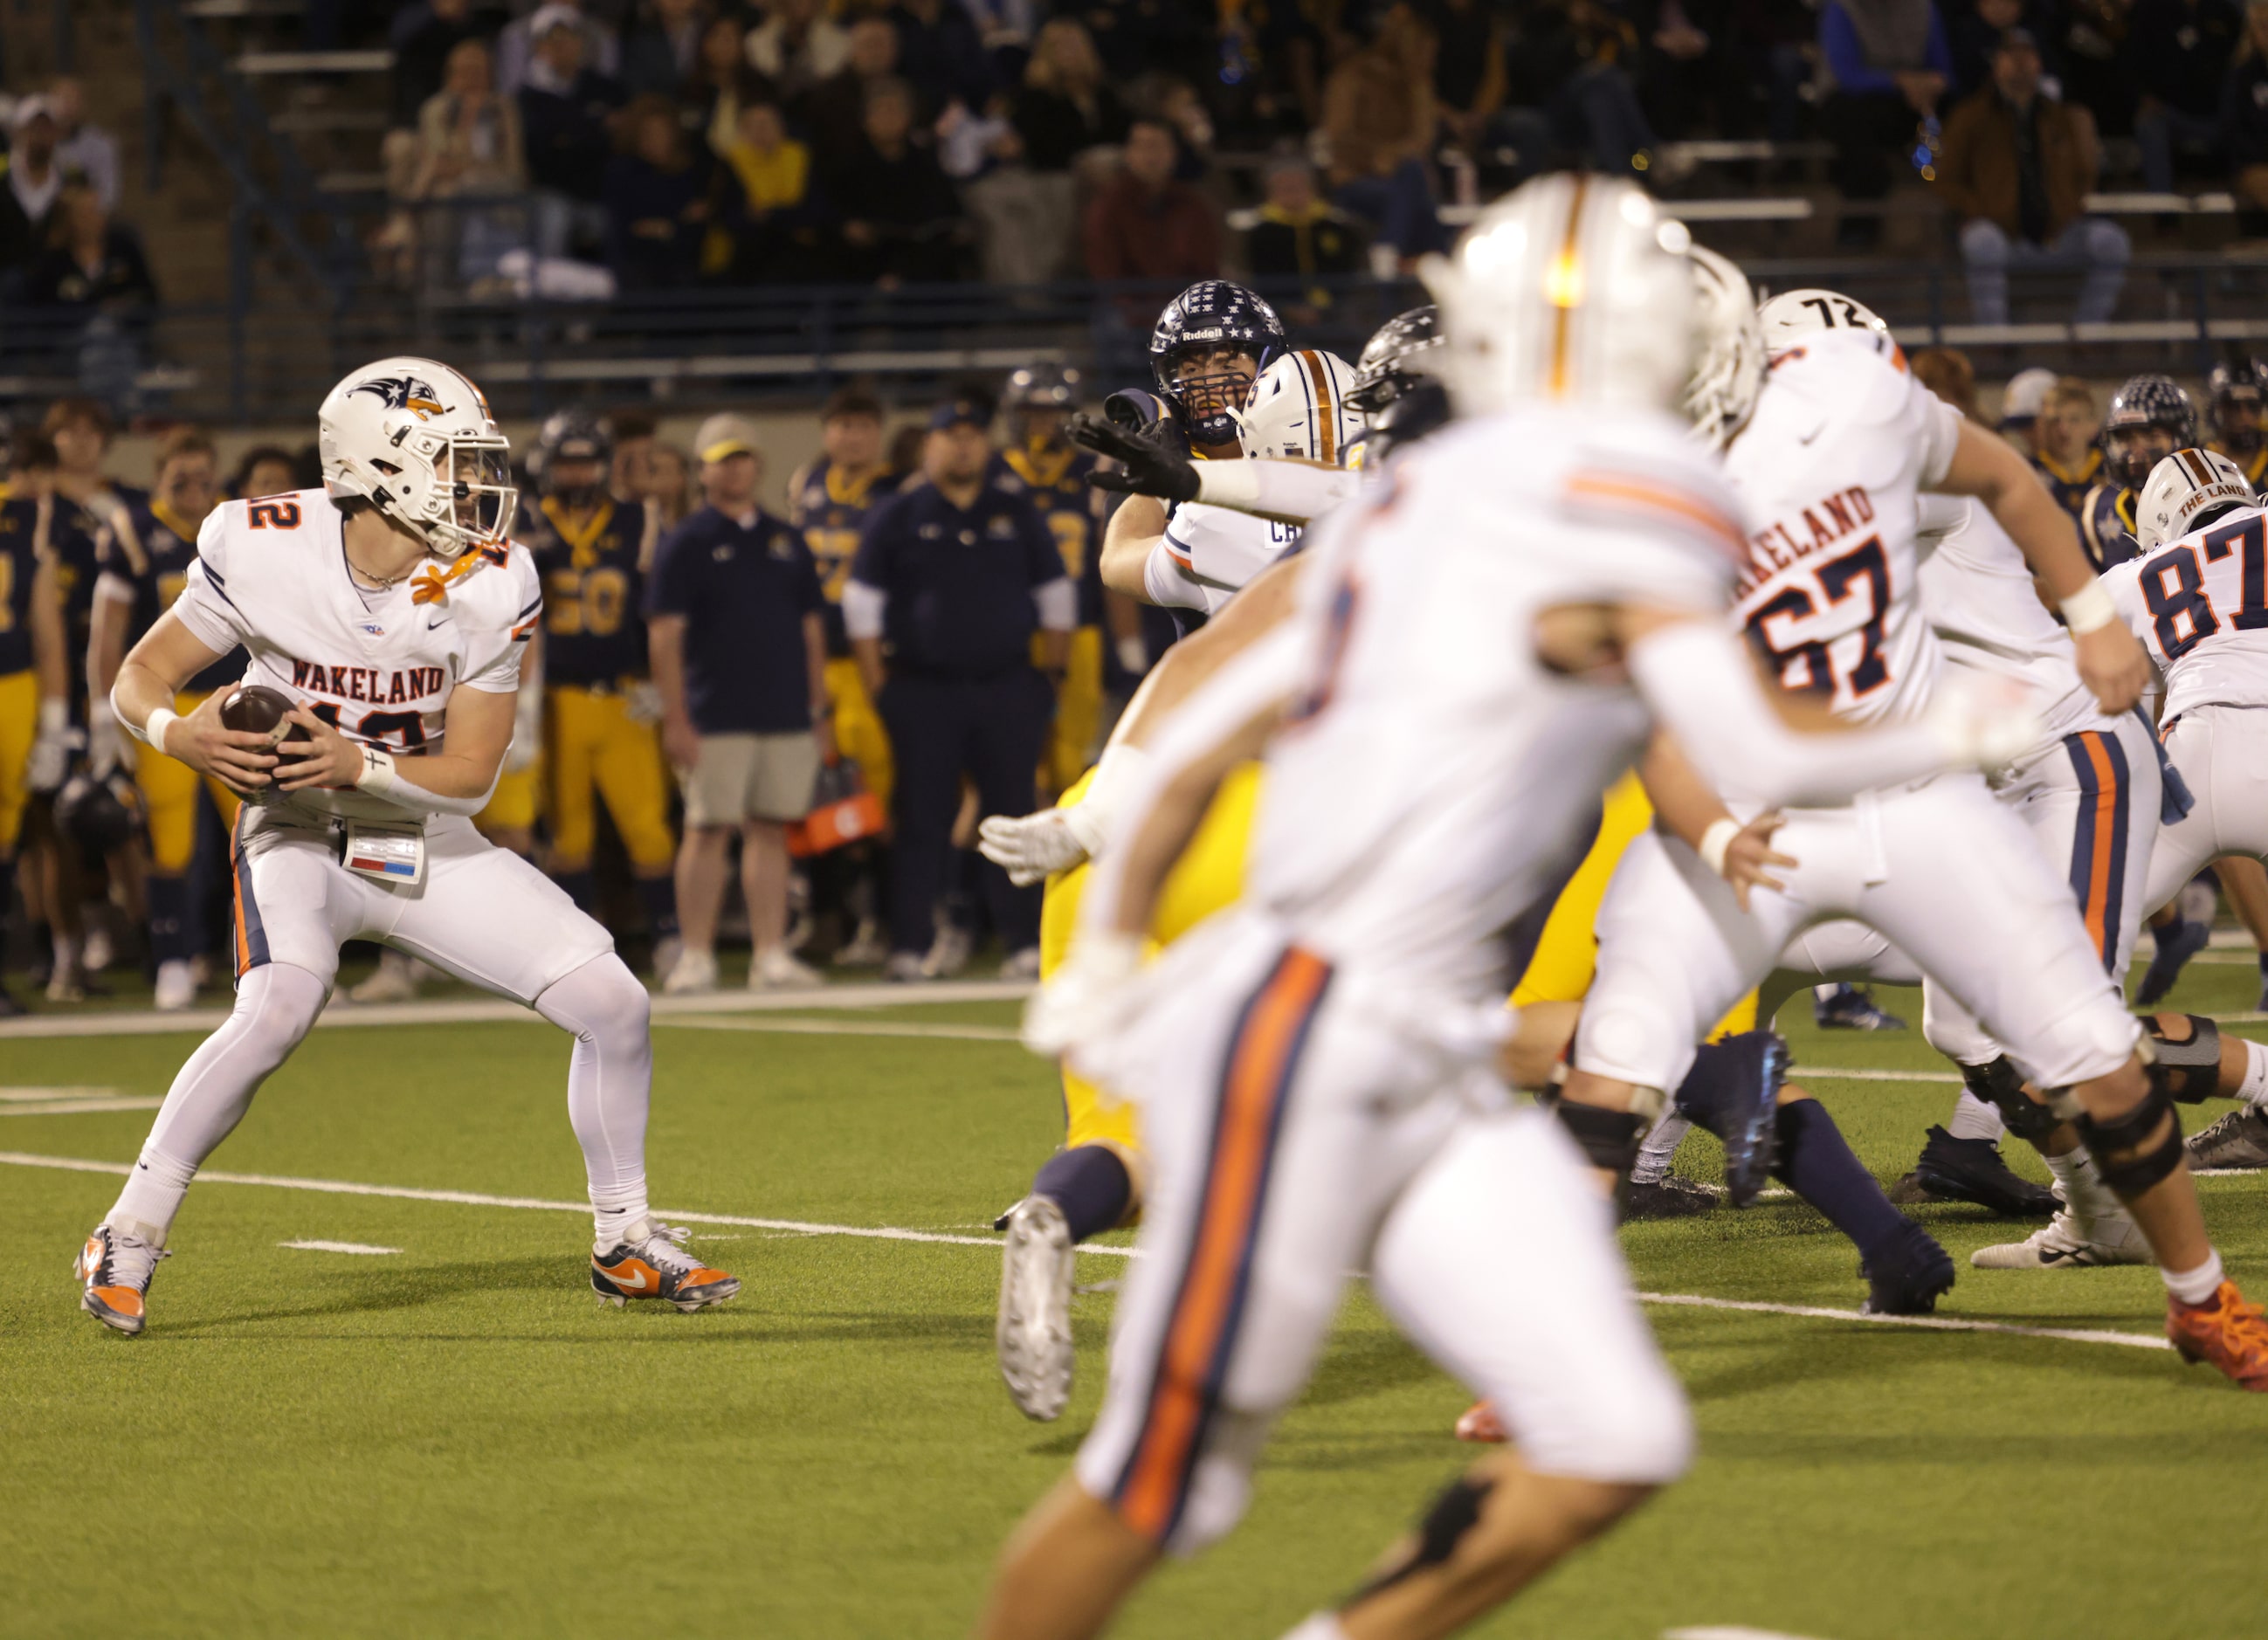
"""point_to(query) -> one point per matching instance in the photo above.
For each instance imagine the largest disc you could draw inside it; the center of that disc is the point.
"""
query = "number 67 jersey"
(271, 574)
(1829, 468)
(2200, 607)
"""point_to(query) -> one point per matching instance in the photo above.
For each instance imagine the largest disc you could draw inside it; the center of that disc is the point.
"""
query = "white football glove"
(1086, 996)
(642, 702)
(527, 732)
(105, 740)
(1031, 847)
(1985, 722)
(51, 751)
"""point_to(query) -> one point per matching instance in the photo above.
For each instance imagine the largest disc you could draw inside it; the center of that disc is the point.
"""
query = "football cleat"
(176, 988)
(867, 947)
(1973, 1170)
(1851, 1009)
(1907, 1277)
(2240, 1139)
(1743, 1108)
(650, 1263)
(2061, 1244)
(949, 952)
(778, 969)
(1479, 1423)
(1667, 1197)
(2225, 1332)
(904, 968)
(2173, 955)
(1033, 1337)
(116, 1266)
(693, 974)
(1022, 966)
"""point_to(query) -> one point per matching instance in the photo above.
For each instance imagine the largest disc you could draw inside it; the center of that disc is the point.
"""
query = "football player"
(829, 500)
(2069, 459)
(36, 736)
(2236, 399)
(140, 579)
(2150, 417)
(391, 606)
(1314, 1064)
(600, 714)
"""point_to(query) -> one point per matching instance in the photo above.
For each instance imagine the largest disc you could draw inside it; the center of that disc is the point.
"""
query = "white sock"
(1826, 992)
(1322, 1626)
(2254, 1089)
(2089, 1199)
(153, 1192)
(1975, 1118)
(2197, 1285)
(609, 1085)
(1660, 1146)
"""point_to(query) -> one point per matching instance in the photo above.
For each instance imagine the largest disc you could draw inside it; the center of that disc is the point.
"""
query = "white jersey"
(271, 575)
(1208, 554)
(1978, 593)
(1843, 440)
(1436, 773)
(2200, 607)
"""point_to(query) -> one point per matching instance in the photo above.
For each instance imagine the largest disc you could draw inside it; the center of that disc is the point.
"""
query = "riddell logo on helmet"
(403, 392)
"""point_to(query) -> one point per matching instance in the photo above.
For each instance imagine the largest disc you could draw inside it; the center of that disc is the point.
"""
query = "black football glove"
(1145, 467)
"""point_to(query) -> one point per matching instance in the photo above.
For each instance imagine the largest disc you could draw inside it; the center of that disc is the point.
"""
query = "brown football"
(256, 709)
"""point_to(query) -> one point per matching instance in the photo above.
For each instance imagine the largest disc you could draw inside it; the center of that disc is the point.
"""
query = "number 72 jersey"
(2200, 607)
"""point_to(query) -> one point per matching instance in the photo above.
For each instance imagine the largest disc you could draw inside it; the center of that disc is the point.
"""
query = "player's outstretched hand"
(1086, 998)
(237, 758)
(327, 759)
(1030, 848)
(2113, 665)
(1750, 859)
(1145, 467)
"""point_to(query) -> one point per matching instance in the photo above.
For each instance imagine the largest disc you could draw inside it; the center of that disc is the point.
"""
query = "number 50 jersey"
(1830, 469)
(2200, 607)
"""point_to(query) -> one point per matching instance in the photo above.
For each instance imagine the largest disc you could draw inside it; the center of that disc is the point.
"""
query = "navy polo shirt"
(744, 594)
(959, 582)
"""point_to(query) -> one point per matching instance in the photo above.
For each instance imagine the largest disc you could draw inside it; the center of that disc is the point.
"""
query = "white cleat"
(2062, 1245)
(398, 979)
(177, 986)
(948, 954)
(1023, 966)
(867, 947)
(1033, 1338)
(693, 974)
(778, 970)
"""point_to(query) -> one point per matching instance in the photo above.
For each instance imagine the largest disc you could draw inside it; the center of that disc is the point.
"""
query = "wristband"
(1133, 655)
(2089, 609)
(153, 727)
(1716, 839)
(55, 714)
(377, 777)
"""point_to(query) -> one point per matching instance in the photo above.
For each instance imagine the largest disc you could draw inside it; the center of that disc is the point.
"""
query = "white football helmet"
(415, 438)
(1299, 407)
(2180, 490)
(1569, 288)
(1721, 394)
(1794, 314)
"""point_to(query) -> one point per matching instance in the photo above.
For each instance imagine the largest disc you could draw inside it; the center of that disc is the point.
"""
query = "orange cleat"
(650, 1263)
(2225, 1331)
(1481, 1425)
(115, 1265)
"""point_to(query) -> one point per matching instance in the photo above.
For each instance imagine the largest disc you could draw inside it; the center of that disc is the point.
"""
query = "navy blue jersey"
(2106, 526)
(959, 581)
(831, 509)
(1056, 479)
(159, 572)
(18, 565)
(594, 575)
(744, 590)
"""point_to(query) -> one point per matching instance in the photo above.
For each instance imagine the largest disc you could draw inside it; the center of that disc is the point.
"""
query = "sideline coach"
(952, 579)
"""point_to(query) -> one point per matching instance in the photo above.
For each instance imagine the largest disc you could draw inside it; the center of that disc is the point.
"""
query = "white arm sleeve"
(1699, 684)
(1057, 602)
(1259, 679)
(1295, 490)
(862, 609)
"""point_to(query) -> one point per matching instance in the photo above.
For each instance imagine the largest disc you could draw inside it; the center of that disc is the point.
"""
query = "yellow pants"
(512, 805)
(594, 748)
(858, 732)
(1079, 710)
(1208, 877)
(169, 799)
(19, 726)
(1567, 955)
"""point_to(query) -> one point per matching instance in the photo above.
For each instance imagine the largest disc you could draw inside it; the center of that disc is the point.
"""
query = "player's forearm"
(50, 650)
(1291, 490)
(665, 661)
(866, 653)
(1136, 527)
(105, 645)
(1985, 466)
(1243, 622)
(443, 783)
(1686, 804)
(137, 692)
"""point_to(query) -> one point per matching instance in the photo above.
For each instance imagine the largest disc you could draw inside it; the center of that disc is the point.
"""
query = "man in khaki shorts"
(739, 655)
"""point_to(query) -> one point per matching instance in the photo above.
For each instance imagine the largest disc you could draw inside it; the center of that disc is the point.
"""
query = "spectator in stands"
(1891, 62)
(35, 181)
(836, 110)
(2017, 166)
(1570, 92)
(1146, 225)
(423, 37)
(469, 148)
(772, 210)
(1681, 69)
(515, 47)
(1139, 37)
(84, 150)
(1770, 46)
(2070, 442)
(669, 484)
(739, 651)
(902, 220)
(1379, 119)
(941, 54)
(1976, 35)
(1468, 77)
(657, 203)
(1066, 108)
(661, 46)
(1299, 237)
(722, 84)
(2244, 117)
(797, 46)
(263, 470)
(565, 106)
(2180, 50)
(97, 292)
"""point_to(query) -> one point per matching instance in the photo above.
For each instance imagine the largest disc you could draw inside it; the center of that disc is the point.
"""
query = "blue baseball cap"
(955, 411)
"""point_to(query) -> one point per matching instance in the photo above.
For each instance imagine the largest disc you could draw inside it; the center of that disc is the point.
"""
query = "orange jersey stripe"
(2106, 831)
(1259, 1067)
(236, 900)
(1629, 490)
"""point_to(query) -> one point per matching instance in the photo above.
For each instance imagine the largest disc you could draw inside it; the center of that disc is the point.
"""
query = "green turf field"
(455, 1440)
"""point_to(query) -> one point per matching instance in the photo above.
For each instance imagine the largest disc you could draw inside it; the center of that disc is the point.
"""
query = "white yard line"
(468, 1198)
(16, 1107)
(362, 1247)
(1799, 1073)
(844, 1027)
(1721, 1631)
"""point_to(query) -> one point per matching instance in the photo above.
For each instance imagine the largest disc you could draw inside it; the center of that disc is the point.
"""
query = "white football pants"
(2222, 751)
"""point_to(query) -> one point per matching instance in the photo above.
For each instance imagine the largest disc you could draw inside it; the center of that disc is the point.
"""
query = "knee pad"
(2190, 1070)
(1455, 1513)
(2002, 1086)
(2127, 1136)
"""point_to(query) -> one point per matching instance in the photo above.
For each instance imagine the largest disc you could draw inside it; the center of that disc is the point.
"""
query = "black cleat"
(1971, 1170)
(1667, 1197)
(1740, 1105)
(1851, 1009)
(1906, 1277)
(2173, 956)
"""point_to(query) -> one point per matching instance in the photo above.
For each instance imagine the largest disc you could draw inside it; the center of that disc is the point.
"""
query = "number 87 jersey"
(2200, 607)
(1830, 469)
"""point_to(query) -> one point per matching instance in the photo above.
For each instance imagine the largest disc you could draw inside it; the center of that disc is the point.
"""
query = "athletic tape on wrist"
(153, 727)
(1716, 839)
(2089, 609)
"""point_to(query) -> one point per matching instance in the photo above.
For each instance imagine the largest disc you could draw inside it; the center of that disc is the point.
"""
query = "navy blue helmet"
(1042, 388)
(1213, 313)
(571, 435)
(2236, 398)
(1397, 384)
(2150, 418)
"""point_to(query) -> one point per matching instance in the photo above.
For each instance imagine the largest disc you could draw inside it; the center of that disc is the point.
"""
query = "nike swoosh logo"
(435, 621)
(632, 1285)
